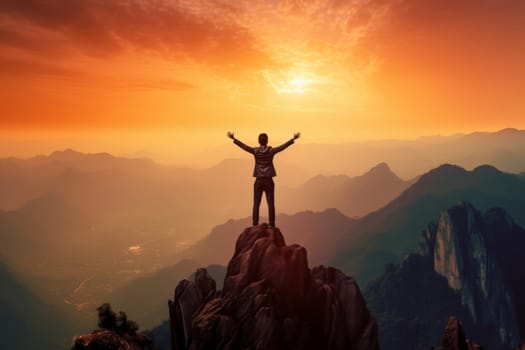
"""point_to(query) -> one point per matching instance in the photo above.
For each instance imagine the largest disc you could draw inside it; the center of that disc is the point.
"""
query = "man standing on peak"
(264, 172)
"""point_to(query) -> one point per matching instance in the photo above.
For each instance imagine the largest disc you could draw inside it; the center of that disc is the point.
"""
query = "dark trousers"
(266, 185)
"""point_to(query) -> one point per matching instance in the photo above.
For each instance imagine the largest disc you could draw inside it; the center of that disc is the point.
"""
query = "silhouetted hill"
(271, 300)
(469, 265)
(319, 232)
(385, 235)
(354, 196)
(25, 321)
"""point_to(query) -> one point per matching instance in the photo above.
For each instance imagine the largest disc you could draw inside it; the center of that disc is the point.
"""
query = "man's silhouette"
(264, 172)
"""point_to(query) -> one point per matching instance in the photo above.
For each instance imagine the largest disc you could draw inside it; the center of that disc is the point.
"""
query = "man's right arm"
(239, 143)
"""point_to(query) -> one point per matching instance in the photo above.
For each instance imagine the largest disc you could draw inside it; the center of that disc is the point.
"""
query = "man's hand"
(296, 135)
(230, 135)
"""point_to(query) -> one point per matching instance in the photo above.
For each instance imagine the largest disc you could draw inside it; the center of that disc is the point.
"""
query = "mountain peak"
(269, 287)
(379, 173)
(381, 168)
(486, 169)
(509, 131)
(447, 169)
(441, 177)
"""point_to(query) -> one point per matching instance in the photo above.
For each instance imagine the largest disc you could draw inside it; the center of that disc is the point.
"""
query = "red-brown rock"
(272, 300)
(454, 337)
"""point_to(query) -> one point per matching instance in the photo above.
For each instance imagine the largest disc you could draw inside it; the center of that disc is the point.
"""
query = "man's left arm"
(287, 144)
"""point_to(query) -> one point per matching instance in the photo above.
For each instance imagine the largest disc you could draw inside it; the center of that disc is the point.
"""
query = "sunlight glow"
(289, 83)
(293, 86)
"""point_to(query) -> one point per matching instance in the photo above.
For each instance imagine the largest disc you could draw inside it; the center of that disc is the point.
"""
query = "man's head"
(263, 139)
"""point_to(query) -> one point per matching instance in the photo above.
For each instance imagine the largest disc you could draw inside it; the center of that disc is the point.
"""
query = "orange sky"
(162, 72)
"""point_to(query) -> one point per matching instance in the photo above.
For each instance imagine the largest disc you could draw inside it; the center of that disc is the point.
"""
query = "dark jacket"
(263, 157)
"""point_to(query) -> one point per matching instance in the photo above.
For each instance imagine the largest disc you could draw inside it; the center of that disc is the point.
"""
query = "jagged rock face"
(464, 255)
(189, 297)
(470, 265)
(346, 318)
(271, 300)
(454, 337)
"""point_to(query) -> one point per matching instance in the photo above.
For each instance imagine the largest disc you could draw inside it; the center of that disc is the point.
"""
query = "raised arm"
(239, 143)
(287, 144)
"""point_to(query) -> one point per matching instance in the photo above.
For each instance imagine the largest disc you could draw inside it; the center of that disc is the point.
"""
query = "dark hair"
(263, 139)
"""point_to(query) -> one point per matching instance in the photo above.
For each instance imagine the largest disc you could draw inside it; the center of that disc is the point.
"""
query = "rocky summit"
(271, 300)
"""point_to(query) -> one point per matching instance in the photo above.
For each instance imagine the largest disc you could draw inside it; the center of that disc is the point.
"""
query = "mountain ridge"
(395, 225)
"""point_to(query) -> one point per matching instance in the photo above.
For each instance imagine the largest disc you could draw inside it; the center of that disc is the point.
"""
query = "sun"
(298, 85)
(289, 84)
(295, 85)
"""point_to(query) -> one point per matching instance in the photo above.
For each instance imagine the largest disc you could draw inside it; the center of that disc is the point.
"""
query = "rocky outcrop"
(454, 337)
(465, 255)
(469, 265)
(104, 339)
(189, 298)
(272, 300)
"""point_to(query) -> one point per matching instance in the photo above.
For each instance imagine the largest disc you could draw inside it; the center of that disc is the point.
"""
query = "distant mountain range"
(408, 158)
(392, 231)
(354, 196)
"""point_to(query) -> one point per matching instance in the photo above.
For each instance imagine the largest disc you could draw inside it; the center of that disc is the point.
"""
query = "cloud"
(22, 67)
(403, 56)
(465, 55)
(172, 29)
(159, 84)
(229, 37)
